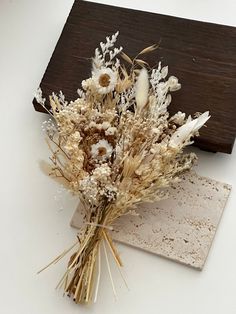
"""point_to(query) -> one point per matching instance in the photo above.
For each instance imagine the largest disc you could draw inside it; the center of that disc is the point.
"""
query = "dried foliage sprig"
(115, 146)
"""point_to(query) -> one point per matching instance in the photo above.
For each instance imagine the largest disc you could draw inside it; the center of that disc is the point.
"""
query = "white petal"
(188, 129)
(201, 120)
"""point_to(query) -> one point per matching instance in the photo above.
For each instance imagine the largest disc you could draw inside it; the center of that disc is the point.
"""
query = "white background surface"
(34, 227)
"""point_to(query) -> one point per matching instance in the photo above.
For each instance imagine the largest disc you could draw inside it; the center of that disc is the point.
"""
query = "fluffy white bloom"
(102, 173)
(49, 127)
(142, 88)
(188, 129)
(105, 80)
(101, 150)
(86, 84)
(89, 187)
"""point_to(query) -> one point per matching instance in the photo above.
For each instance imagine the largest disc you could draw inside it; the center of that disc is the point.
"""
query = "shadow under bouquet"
(115, 146)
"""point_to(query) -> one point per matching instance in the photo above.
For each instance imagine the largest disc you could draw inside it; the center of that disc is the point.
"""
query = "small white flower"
(76, 136)
(102, 173)
(86, 84)
(178, 118)
(174, 84)
(101, 150)
(111, 131)
(105, 80)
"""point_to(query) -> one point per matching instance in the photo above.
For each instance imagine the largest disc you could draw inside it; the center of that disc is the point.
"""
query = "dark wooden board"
(202, 55)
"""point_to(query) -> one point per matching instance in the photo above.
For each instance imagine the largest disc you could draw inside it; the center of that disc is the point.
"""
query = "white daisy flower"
(105, 80)
(101, 150)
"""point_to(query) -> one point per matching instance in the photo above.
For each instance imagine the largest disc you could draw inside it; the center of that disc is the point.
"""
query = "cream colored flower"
(86, 84)
(105, 80)
(174, 84)
(76, 137)
(72, 143)
(111, 131)
(102, 173)
(101, 150)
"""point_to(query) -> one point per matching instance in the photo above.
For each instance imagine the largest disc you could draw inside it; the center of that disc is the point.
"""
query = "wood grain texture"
(202, 55)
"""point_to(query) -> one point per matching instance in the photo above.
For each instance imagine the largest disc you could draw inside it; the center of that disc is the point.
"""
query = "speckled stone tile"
(181, 227)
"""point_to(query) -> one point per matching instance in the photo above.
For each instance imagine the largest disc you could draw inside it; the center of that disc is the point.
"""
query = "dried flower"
(101, 150)
(174, 84)
(116, 146)
(102, 173)
(111, 131)
(105, 80)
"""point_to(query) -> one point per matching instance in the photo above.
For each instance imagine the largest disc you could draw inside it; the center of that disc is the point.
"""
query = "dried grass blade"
(113, 249)
(109, 270)
(76, 296)
(141, 62)
(98, 276)
(58, 257)
(62, 280)
(81, 249)
(90, 274)
(118, 262)
(126, 57)
(148, 49)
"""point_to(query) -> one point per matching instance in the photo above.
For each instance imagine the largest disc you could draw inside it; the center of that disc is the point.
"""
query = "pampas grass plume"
(142, 88)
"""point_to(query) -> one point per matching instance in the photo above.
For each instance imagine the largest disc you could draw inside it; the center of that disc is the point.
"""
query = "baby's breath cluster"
(116, 146)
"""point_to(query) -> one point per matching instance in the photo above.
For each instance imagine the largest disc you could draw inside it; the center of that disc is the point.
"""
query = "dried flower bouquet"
(116, 146)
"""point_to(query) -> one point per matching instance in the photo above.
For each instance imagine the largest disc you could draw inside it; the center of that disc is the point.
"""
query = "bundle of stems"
(85, 265)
